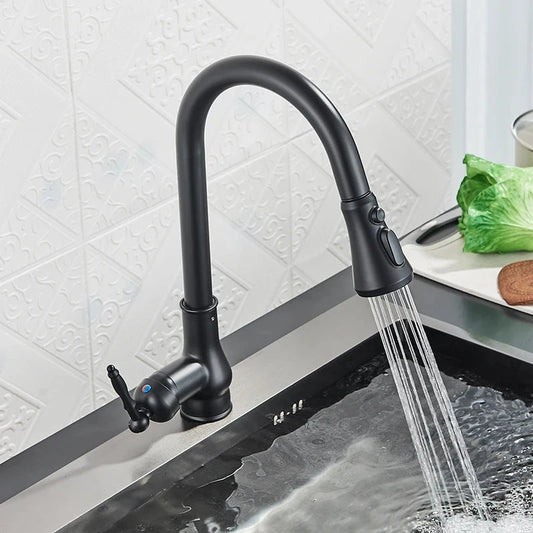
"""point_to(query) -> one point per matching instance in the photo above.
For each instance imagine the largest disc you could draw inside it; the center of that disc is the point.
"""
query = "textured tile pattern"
(8, 118)
(364, 16)
(53, 185)
(420, 52)
(46, 307)
(18, 412)
(256, 199)
(39, 38)
(117, 179)
(90, 266)
(28, 236)
(185, 36)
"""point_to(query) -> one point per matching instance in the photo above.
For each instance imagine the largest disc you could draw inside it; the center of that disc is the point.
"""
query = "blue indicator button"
(146, 388)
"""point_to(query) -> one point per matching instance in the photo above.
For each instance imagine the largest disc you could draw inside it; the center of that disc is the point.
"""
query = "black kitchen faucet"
(197, 383)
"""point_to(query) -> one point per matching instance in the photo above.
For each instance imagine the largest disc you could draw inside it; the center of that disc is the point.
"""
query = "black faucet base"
(201, 343)
(207, 410)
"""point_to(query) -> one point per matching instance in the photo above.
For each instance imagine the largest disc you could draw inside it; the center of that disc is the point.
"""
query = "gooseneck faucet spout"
(198, 382)
(286, 82)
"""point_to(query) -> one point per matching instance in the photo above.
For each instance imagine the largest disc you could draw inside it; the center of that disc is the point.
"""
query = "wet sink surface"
(345, 461)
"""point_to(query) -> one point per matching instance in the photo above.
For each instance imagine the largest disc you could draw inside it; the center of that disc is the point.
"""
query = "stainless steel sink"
(292, 354)
(332, 451)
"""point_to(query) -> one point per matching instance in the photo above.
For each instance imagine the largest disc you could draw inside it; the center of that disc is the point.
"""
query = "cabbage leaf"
(481, 173)
(497, 207)
(500, 218)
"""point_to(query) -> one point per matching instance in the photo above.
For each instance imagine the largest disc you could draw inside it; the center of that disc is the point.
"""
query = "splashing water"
(446, 467)
(507, 524)
(515, 516)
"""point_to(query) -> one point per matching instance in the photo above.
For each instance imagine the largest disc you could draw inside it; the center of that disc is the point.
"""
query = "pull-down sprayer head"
(378, 263)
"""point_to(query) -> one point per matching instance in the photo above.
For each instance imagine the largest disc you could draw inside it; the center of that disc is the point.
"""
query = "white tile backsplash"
(90, 264)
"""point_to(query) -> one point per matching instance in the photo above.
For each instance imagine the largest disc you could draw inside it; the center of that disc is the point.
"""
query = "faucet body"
(379, 266)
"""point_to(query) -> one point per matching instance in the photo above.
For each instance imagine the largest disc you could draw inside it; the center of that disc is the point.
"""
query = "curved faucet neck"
(296, 89)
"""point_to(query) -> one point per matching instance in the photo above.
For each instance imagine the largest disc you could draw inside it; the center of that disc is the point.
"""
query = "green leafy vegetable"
(500, 218)
(481, 173)
(497, 207)
(495, 171)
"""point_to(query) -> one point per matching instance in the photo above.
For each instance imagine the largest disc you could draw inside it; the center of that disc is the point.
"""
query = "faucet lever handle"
(139, 420)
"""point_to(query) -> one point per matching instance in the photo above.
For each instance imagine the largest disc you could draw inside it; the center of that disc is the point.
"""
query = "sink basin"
(333, 452)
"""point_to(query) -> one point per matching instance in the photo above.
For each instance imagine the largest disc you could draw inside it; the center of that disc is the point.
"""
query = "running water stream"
(446, 467)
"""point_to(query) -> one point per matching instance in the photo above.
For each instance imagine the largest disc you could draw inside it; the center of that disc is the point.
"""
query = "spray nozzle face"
(379, 265)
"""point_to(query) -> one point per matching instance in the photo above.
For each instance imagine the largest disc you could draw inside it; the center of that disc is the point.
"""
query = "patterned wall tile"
(9, 13)
(47, 306)
(435, 134)
(309, 57)
(111, 289)
(165, 337)
(18, 413)
(39, 37)
(134, 245)
(240, 134)
(8, 121)
(63, 329)
(437, 16)
(53, 185)
(118, 178)
(185, 36)
(46, 218)
(411, 104)
(421, 51)
(365, 17)
(266, 104)
(88, 23)
(28, 236)
(256, 198)
(270, 107)
(293, 283)
(309, 186)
